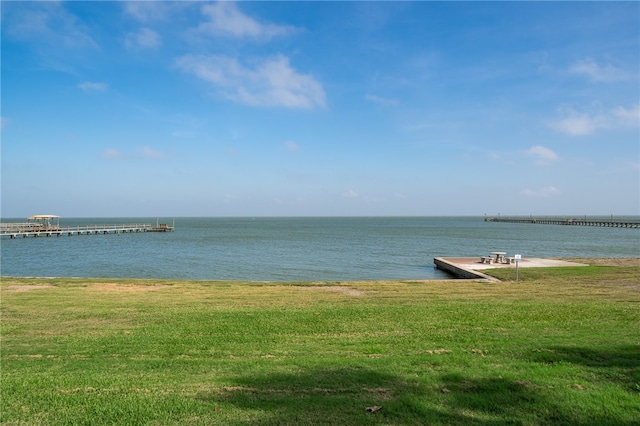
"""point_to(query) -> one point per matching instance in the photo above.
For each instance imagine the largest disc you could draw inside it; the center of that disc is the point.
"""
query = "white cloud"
(543, 156)
(225, 19)
(605, 73)
(549, 191)
(90, 86)
(271, 83)
(576, 123)
(143, 39)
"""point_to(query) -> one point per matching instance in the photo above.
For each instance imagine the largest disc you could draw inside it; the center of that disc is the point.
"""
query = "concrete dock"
(471, 267)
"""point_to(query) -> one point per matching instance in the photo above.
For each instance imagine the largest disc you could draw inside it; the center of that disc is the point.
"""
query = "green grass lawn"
(561, 346)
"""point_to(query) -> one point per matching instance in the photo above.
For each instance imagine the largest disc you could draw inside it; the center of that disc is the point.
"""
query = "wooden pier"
(43, 226)
(162, 227)
(17, 231)
(611, 223)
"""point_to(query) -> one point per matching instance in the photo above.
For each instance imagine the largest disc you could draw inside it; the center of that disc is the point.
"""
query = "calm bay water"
(300, 249)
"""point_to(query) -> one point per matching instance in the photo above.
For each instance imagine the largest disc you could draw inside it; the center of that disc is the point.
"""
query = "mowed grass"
(561, 346)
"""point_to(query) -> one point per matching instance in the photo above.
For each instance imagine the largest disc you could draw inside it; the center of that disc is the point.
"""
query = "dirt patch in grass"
(18, 288)
(438, 351)
(134, 288)
(336, 288)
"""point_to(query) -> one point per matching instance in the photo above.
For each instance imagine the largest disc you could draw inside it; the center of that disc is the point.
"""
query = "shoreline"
(303, 250)
(603, 261)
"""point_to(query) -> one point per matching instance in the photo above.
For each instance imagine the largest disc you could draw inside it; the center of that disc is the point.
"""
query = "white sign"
(517, 258)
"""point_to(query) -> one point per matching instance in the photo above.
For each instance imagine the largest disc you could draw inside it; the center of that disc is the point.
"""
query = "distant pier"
(611, 223)
(49, 226)
(27, 231)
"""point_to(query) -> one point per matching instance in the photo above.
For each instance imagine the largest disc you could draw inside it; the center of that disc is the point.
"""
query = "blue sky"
(320, 108)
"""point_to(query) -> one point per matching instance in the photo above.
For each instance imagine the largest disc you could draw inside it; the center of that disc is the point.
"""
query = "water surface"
(300, 249)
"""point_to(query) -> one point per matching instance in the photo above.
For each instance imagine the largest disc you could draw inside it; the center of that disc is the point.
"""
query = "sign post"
(517, 258)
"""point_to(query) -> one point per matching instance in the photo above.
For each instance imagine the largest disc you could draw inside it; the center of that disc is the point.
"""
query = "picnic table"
(499, 255)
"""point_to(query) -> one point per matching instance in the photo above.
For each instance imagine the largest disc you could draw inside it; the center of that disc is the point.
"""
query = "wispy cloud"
(140, 153)
(148, 152)
(350, 194)
(49, 22)
(580, 123)
(576, 123)
(291, 146)
(543, 156)
(504, 158)
(381, 100)
(149, 11)
(225, 19)
(112, 154)
(4, 122)
(145, 38)
(627, 116)
(91, 86)
(603, 73)
(271, 83)
(549, 191)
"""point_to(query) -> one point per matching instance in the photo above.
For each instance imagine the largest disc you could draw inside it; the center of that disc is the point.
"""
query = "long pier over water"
(49, 225)
(27, 231)
(612, 223)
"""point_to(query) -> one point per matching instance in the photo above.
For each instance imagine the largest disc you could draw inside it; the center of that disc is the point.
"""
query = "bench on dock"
(497, 259)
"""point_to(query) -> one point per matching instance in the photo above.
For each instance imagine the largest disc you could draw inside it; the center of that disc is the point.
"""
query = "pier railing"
(612, 223)
(15, 230)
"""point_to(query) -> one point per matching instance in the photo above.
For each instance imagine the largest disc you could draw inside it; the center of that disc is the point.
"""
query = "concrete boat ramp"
(471, 267)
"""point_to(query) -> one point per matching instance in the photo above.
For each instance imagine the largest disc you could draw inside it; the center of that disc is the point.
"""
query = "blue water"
(300, 249)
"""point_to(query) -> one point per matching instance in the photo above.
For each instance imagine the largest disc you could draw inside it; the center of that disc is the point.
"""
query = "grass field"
(561, 346)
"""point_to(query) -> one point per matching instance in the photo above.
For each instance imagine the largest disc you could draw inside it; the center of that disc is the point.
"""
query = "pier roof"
(42, 216)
